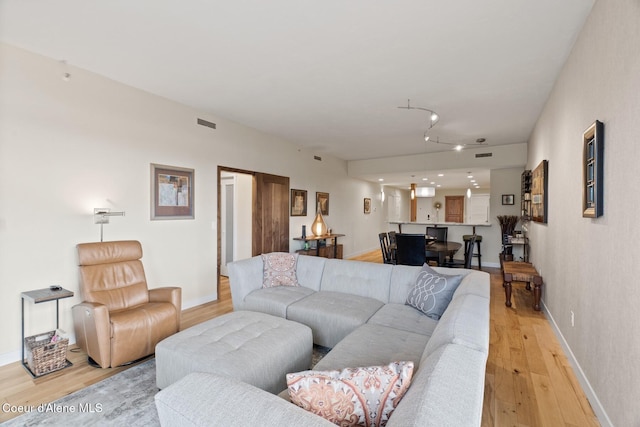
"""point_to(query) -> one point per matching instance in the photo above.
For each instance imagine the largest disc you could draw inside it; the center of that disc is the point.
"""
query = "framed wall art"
(298, 202)
(322, 199)
(172, 190)
(367, 205)
(593, 171)
(507, 199)
(539, 196)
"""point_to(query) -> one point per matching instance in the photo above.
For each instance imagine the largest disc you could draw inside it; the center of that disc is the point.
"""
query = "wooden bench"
(515, 271)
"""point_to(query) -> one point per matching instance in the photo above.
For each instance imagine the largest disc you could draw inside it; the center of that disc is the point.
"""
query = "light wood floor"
(529, 381)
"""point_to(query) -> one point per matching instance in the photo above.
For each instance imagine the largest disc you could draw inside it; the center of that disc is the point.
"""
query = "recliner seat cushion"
(136, 331)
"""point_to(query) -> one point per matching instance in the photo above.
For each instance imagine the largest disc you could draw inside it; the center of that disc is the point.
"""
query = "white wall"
(590, 266)
(67, 147)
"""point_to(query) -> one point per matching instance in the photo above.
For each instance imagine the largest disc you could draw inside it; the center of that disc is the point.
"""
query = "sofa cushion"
(372, 345)
(447, 390)
(357, 278)
(466, 322)
(433, 292)
(204, 399)
(275, 300)
(364, 396)
(404, 317)
(332, 315)
(279, 269)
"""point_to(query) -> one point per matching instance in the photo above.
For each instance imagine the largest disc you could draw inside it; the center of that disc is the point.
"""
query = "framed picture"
(322, 199)
(593, 171)
(507, 199)
(367, 205)
(539, 196)
(172, 190)
(298, 202)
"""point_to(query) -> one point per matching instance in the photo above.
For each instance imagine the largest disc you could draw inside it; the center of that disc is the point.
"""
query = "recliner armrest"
(172, 294)
(93, 331)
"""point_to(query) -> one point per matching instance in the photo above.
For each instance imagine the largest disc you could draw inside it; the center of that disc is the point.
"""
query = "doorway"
(253, 215)
(454, 208)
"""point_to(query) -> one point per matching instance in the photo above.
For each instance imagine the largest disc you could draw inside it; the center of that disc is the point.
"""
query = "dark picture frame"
(539, 192)
(367, 205)
(298, 202)
(172, 192)
(322, 199)
(593, 171)
(508, 199)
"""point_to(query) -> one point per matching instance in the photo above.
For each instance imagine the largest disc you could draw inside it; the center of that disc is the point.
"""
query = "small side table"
(522, 272)
(36, 297)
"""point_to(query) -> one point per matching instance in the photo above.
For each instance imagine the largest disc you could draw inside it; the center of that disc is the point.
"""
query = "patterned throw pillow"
(279, 269)
(353, 396)
(432, 292)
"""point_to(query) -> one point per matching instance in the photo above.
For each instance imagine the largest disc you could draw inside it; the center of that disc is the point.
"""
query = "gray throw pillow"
(432, 292)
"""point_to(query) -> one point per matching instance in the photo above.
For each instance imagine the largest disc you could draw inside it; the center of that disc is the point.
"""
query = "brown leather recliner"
(121, 320)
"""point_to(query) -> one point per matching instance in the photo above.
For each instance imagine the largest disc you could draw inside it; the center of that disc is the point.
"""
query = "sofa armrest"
(170, 294)
(92, 328)
(203, 399)
(245, 276)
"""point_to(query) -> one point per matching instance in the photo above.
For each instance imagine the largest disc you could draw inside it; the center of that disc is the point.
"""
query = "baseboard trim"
(598, 409)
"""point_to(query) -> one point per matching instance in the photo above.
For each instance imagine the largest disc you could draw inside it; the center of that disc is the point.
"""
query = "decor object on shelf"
(539, 192)
(319, 227)
(172, 190)
(298, 202)
(507, 199)
(367, 205)
(593, 171)
(507, 225)
(525, 195)
(101, 216)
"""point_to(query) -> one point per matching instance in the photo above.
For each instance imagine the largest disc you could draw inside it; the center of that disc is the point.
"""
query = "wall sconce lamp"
(101, 216)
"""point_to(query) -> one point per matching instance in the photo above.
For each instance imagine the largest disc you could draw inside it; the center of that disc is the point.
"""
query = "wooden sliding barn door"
(270, 214)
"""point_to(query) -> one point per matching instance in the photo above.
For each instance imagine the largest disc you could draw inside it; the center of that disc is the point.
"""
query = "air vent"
(318, 158)
(484, 155)
(206, 123)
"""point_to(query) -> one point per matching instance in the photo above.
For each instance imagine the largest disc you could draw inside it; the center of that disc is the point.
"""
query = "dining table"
(443, 249)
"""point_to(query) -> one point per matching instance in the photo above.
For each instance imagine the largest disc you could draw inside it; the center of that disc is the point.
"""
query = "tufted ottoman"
(252, 347)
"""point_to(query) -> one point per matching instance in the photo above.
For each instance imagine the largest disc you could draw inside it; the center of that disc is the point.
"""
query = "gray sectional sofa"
(359, 310)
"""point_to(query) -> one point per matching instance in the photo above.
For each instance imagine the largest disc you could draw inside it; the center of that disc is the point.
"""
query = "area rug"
(125, 399)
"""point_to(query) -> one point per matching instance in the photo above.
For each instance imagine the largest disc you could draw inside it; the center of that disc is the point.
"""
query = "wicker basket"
(43, 356)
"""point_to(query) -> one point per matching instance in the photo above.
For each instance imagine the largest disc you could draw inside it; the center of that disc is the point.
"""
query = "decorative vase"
(319, 227)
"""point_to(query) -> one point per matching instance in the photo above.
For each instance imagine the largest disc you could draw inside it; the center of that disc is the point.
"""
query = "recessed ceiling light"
(440, 174)
(425, 179)
(438, 185)
(473, 180)
(433, 183)
(380, 179)
(469, 176)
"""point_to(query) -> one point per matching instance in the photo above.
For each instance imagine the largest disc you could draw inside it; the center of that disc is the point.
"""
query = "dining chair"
(392, 245)
(468, 254)
(410, 249)
(384, 247)
(440, 233)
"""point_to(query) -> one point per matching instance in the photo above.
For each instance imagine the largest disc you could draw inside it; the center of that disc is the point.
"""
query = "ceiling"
(325, 75)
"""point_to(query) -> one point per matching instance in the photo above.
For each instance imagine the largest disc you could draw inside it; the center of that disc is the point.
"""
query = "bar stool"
(477, 253)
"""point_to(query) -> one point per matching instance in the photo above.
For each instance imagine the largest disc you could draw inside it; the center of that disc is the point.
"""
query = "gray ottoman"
(252, 347)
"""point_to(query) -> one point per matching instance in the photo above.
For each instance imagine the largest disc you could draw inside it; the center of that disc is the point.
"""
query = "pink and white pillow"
(279, 269)
(353, 396)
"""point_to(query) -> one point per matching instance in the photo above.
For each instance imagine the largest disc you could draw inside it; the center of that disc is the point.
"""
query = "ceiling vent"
(318, 158)
(484, 155)
(206, 123)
